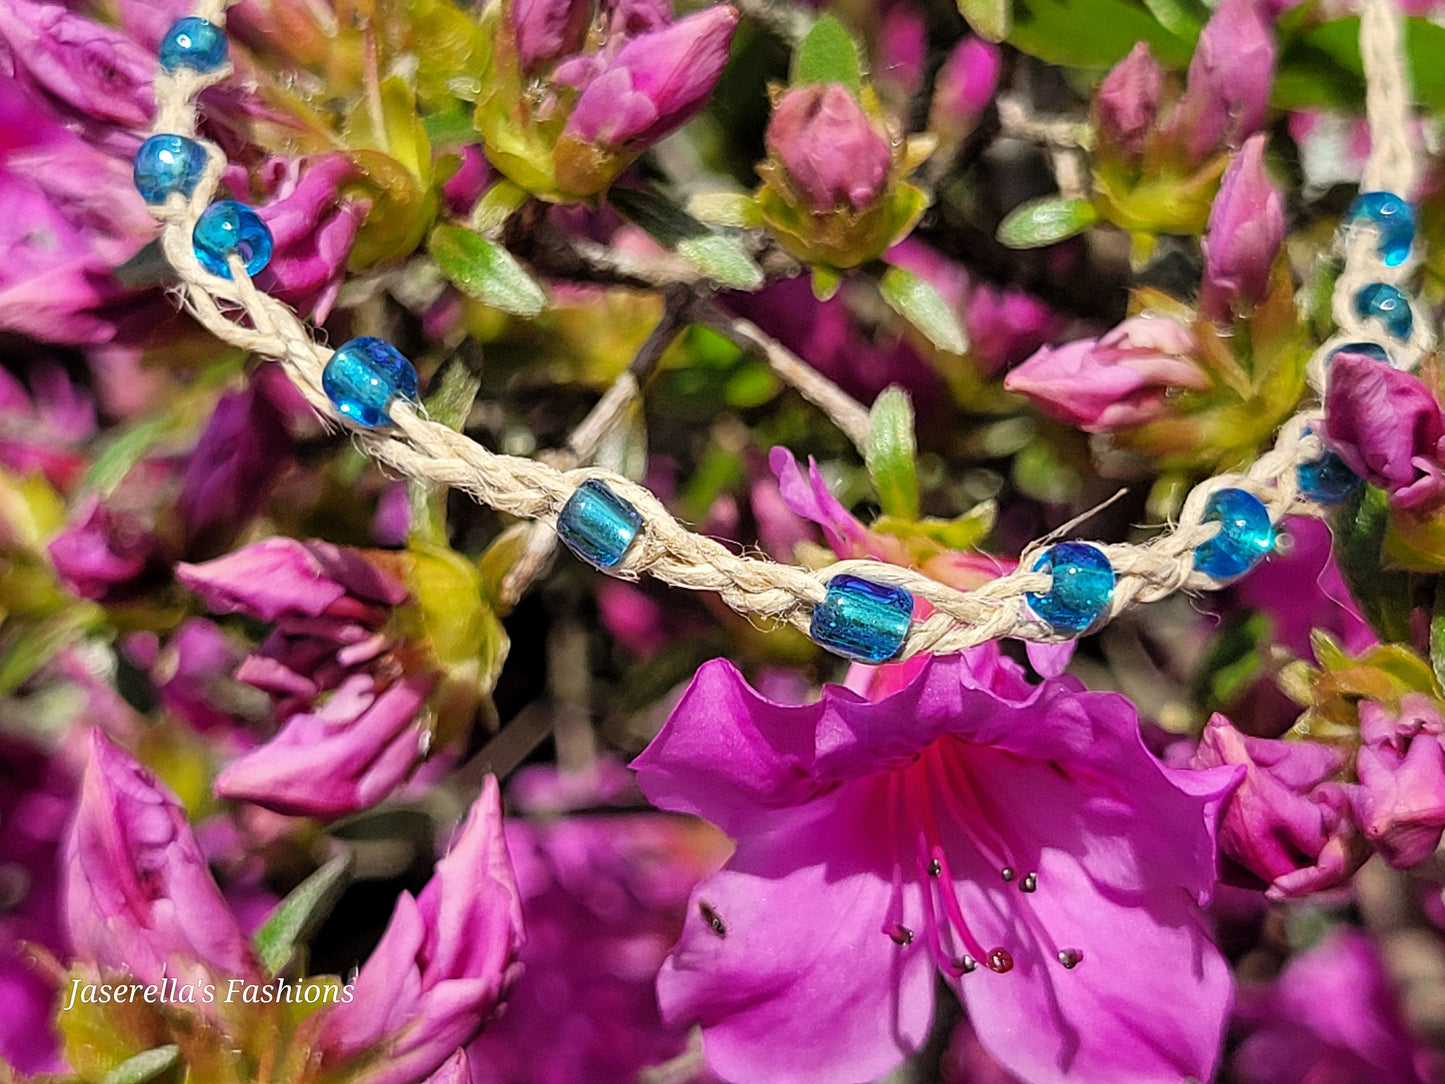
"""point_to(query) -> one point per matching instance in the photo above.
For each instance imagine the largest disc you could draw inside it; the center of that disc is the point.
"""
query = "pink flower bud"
(1387, 428)
(1115, 382)
(138, 895)
(1246, 229)
(1284, 824)
(654, 83)
(965, 85)
(1128, 100)
(444, 963)
(1228, 84)
(106, 555)
(547, 29)
(831, 152)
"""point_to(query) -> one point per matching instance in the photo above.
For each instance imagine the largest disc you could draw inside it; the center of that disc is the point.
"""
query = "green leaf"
(453, 125)
(891, 453)
(298, 916)
(716, 255)
(485, 270)
(1092, 34)
(1046, 221)
(723, 260)
(991, 19)
(828, 55)
(1322, 67)
(499, 203)
(1437, 631)
(454, 390)
(919, 303)
(161, 1063)
(736, 209)
(826, 281)
(1182, 18)
(1385, 596)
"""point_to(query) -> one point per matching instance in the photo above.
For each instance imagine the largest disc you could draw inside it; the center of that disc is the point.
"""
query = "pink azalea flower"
(1246, 230)
(444, 964)
(1019, 840)
(1128, 100)
(1330, 1016)
(138, 895)
(1400, 800)
(1227, 92)
(831, 152)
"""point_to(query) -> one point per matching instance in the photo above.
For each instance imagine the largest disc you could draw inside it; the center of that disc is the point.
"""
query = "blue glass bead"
(862, 620)
(1327, 480)
(1082, 589)
(1388, 305)
(166, 164)
(1244, 537)
(598, 525)
(1393, 217)
(229, 227)
(193, 43)
(364, 375)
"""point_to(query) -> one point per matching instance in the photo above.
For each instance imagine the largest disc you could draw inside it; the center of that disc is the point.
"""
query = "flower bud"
(107, 556)
(1227, 90)
(1128, 100)
(547, 29)
(1387, 428)
(964, 87)
(443, 965)
(1114, 382)
(832, 154)
(1246, 229)
(654, 83)
(138, 894)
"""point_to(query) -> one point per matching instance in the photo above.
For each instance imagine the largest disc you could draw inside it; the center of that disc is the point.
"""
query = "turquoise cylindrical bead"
(363, 377)
(862, 620)
(168, 163)
(1082, 589)
(598, 525)
(193, 43)
(1245, 534)
(228, 228)
(1393, 217)
(1388, 305)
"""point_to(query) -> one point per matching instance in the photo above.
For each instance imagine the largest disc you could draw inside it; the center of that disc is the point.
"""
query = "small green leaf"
(991, 19)
(1385, 596)
(828, 55)
(1092, 34)
(450, 126)
(485, 270)
(826, 281)
(454, 390)
(919, 303)
(499, 203)
(1046, 221)
(162, 1063)
(1182, 18)
(737, 209)
(300, 913)
(891, 453)
(1437, 631)
(723, 260)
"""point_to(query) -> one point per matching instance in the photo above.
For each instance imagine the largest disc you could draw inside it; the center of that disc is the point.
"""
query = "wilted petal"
(1387, 427)
(139, 897)
(344, 755)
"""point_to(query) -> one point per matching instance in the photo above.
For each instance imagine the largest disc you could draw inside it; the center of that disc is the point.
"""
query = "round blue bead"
(1326, 480)
(1388, 305)
(229, 227)
(1393, 217)
(1082, 589)
(1245, 535)
(362, 377)
(193, 43)
(166, 164)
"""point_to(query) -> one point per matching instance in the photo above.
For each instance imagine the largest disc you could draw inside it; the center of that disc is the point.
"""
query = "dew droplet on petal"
(1000, 960)
(900, 934)
(1071, 957)
(935, 867)
(712, 918)
(1007, 873)
(1030, 883)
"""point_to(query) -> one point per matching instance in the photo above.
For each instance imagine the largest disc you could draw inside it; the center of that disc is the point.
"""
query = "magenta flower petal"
(139, 897)
(812, 499)
(1227, 93)
(1388, 429)
(1019, 839)
(1246, 230)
